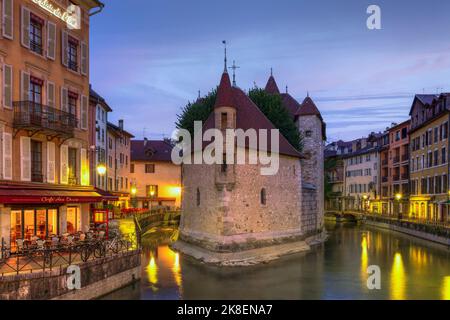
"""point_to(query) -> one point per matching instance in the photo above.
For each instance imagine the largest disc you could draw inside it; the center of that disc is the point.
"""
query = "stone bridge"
(149, 220)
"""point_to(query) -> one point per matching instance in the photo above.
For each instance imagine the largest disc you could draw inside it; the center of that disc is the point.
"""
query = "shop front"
(43, 213)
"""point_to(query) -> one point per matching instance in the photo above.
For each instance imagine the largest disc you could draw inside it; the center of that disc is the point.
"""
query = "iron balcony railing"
(32, 115)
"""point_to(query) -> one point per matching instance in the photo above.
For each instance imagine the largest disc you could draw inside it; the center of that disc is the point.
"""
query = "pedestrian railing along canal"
(37, 258)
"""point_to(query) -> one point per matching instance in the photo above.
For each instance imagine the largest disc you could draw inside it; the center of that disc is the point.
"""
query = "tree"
(272, 107)
(197, 111)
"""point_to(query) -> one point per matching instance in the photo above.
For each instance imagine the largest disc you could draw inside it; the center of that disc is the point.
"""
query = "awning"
(106, 195)
(37, 196)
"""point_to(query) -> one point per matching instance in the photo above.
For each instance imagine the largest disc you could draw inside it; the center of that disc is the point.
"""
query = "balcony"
(396, 178)
(405, 157)
(396, 160)
(384, 179)
(384, 163)
(44, 119)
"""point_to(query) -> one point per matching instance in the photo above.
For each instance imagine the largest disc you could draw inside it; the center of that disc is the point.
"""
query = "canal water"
(410, 269)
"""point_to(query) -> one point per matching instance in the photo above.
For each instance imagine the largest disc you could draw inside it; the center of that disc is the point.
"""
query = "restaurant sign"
(71, 16)
(47, 199)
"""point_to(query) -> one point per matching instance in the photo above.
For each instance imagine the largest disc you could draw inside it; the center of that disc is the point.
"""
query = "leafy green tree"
(197, 111)
(272, 107)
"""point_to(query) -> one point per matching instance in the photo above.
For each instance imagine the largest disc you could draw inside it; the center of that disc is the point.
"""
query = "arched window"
(198, 197)
(263, 196)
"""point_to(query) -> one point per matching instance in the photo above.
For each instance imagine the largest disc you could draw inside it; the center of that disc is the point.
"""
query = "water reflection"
(398, 278)
(410, 269)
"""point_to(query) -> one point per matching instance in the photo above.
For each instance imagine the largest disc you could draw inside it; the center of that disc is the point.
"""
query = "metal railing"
(32, 259)
(28, 114)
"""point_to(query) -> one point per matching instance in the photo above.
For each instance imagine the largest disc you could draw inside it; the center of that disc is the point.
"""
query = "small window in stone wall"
(198, 197)
(308, 133)
(263, 197)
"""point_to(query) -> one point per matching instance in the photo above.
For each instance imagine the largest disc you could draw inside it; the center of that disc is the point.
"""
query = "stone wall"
(98, 278)
(309, 209)
(231, 217)
(313, 164)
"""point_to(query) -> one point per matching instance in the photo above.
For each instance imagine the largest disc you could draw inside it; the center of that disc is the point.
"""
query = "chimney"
(121, 124)
(145, 142)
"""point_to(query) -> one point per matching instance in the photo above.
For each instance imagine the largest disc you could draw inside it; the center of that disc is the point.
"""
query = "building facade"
(429, 158)
(362, 174)
(99, 148)
(398, 168)
(119, 163)
(155, 178)
(44, 144)
(334, 174)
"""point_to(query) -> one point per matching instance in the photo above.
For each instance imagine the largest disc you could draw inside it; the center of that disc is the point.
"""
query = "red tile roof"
(249, 116)
(151, 150)
(309, 108)
(290, 104)
(271, 86)
(224, 92)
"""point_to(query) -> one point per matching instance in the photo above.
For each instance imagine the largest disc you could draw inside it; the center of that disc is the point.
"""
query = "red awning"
(32, 196)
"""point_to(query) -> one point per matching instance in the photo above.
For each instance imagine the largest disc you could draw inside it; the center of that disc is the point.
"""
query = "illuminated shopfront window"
(28, 223)
(72, 220)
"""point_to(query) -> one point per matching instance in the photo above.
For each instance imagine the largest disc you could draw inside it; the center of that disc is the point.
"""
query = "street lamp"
(365, 202)
(399, 197)
(152, 194)
(101, 169)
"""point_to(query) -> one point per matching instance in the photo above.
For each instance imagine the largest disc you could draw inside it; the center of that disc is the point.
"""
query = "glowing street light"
(398, 196)
(101, 169)
(133, 190)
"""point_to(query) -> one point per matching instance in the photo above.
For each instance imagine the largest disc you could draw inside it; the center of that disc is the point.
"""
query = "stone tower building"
(231, 214)
(313, 130)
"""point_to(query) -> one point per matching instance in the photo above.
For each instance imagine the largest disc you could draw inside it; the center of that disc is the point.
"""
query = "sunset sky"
(149, 58)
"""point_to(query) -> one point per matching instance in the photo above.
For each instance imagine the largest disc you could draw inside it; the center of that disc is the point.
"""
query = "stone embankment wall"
(98, 278)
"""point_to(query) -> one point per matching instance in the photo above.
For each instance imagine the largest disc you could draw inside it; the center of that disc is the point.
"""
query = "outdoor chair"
(20, 245)
(70, 240)
(40, 244)
(82, 237)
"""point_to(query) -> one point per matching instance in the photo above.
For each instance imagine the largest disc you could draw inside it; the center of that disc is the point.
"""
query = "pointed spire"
(271, 86)
(225, 59)
(224, 92)
(287, 91)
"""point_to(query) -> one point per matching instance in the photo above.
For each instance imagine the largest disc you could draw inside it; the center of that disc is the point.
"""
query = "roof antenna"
(307, 93)
(287, 91)
(225, 60)
(234, 67)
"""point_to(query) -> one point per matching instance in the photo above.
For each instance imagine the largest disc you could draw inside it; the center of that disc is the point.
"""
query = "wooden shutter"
(51, 162)
(84, 58)
(7, 156)
(50, 94)
(8, 19)
(84, 112)
(25, 86)
(65, 48)
(25, 30)
(25, 158)
(84, 167)
(7, 86)
(64, 164)
(64, 99)
(51, 40)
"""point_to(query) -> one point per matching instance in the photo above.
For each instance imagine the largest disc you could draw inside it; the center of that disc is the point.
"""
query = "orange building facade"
(44, 118)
